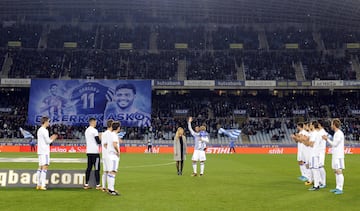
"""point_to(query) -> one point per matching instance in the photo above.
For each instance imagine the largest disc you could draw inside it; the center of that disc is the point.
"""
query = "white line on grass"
(73, 160)
(35, 160)
(143, 166)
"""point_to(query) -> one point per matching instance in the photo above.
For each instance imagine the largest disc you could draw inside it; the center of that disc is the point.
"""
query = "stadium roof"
(328, 13)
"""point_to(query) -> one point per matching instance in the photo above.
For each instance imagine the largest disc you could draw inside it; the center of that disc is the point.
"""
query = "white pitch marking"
(71, 160)
(143, 166)
(35, 160)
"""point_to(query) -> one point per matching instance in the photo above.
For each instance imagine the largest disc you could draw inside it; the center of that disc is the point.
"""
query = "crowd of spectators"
(270, 66)
(28, 34)
(207, 56)
(223, 37)
(85, 38)
(168, 36)
(335, 39)
(200, 65)
(210, 66)
(36, 64)
(108, 36)
(111, 36)
(327, 67)
(279, 38)
(261, 113)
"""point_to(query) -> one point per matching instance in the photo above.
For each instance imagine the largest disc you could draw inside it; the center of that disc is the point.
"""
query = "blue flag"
(26, 133)
(121, 134)
(231, 133)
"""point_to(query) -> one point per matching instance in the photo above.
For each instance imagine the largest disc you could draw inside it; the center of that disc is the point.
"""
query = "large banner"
(73, 102)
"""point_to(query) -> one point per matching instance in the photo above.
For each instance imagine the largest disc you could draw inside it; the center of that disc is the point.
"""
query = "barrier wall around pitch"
(168, 149)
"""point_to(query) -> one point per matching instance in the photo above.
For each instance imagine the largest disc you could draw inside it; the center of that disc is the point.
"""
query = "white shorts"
(44, 159)
(307, 155)
(113, 163)
(322, 159)
(338, 163)
(300, 153)
(314, 162)
(199, 155)
(105, 163)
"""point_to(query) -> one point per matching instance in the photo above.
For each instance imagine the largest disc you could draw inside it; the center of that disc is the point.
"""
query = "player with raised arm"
(338, 155)
(43, 151)
(113, 147)
(92, 151)
(200, 138)
(105, 139)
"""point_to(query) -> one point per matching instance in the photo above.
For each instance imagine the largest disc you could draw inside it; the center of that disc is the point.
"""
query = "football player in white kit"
(113, 147)
(43, 152)
(338, 155)
(314, 142)
(200, 139)
(322, 155)
(303, 137)
(307, 154)
(105, 139)
(301, 158)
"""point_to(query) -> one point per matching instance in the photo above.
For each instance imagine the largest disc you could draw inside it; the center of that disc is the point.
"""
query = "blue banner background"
(73, 102)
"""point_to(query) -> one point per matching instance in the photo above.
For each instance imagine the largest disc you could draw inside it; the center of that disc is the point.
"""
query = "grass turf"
(231, 182)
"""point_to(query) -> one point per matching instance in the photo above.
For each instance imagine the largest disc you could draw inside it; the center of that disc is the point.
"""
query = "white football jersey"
(111, 147)
(338, 145)
(44, 141)
(105, 139)
(305, 148)
(323, 142)
(316, 138)
(91, 146)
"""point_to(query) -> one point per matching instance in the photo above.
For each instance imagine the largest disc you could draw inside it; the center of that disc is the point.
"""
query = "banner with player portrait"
(73, 102)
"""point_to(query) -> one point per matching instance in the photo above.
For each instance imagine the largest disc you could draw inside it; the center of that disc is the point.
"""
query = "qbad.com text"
(55, 178)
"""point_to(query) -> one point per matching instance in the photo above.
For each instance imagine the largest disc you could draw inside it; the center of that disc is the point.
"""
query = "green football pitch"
(231, 182)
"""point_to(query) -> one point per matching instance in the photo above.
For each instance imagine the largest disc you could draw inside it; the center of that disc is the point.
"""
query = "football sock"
(111, 182)
(43, 178)
(309, 174)
(104, 178)
(339, 181)
(303, 170)
(38, 173)
(194, 168)
(202, 167)
(323, 176)
(316, 174)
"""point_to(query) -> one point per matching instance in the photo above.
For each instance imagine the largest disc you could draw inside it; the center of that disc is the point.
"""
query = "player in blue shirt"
(90, 98)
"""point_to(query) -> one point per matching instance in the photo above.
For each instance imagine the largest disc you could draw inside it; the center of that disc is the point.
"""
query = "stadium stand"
(111, 36)
(223, 37)
(27, 34)
(264, 123)
(207, 57)
(126, 40)
(279, 38)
